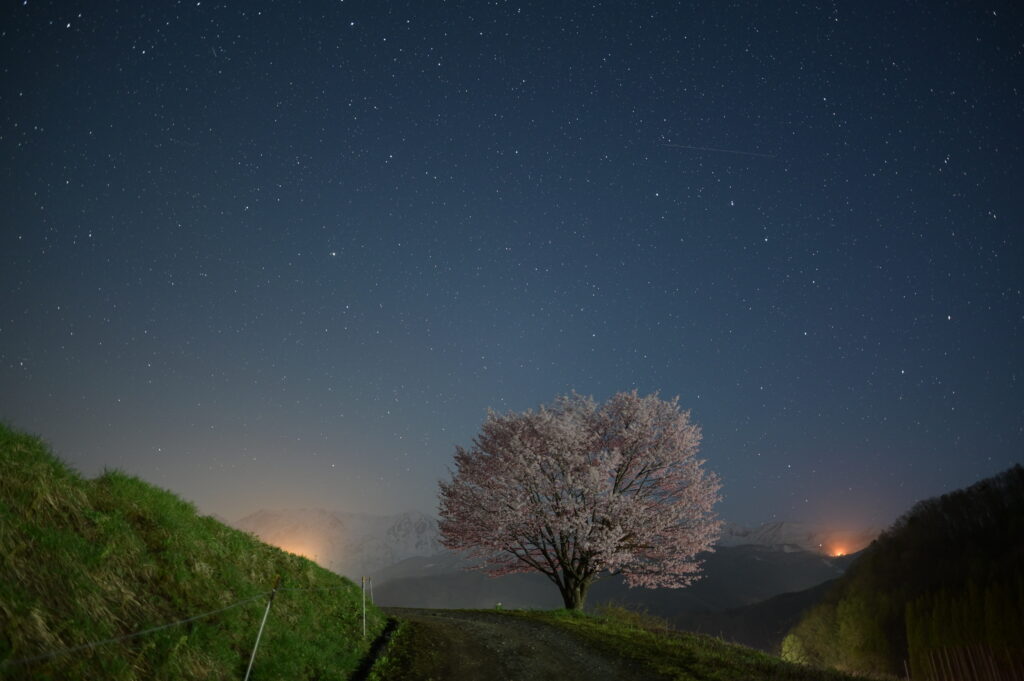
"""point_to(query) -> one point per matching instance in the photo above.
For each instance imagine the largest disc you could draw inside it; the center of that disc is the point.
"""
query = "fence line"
(125, 637)
(193, 618)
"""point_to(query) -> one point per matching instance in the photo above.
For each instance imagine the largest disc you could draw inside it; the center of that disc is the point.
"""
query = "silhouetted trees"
(940, 595)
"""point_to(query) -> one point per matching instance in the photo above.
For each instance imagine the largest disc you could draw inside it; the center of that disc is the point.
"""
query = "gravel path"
(466, 646)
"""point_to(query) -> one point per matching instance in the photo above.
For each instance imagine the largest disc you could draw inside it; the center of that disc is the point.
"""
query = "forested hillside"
(939, 595)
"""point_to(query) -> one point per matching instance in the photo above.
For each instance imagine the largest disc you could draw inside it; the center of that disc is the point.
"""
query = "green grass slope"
(683, 656)
(89, 560)
(646, 641)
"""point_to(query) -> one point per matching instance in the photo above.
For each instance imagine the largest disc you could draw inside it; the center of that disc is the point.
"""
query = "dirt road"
(448, 645)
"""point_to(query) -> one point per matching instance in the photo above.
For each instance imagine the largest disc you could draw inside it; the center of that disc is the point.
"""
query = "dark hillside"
(731, 577)
(940, 594)
(762, 625)
(85, 561)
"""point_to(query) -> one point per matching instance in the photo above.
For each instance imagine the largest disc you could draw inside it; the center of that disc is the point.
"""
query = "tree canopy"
(576, 490)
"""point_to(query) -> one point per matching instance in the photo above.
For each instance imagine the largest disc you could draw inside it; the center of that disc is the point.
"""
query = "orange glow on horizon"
(301, 549)
(842, 542)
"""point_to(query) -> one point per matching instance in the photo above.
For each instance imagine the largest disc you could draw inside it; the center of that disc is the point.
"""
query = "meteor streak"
(720, 151)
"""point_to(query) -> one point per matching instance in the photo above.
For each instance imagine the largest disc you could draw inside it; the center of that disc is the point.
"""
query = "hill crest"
(86, 565)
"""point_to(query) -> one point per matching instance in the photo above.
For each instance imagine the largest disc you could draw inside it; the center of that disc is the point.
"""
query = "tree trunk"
(574, 592)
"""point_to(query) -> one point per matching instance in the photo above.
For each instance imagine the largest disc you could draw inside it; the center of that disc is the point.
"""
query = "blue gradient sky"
(287, 254)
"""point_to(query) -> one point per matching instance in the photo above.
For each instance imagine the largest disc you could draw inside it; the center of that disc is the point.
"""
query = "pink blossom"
(578, 490)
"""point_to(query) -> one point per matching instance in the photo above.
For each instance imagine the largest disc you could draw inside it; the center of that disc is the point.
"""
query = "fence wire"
(95, 644)
(125, 637)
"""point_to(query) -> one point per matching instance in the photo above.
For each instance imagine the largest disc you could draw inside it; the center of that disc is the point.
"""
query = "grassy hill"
(651, 649)
(90, 560)
(685, 656)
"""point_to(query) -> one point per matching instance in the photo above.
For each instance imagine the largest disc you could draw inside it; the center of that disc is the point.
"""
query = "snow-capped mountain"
(786, 536)
(351, 544)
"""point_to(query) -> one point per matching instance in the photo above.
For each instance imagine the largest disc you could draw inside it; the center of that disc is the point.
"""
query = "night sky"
(276, 254)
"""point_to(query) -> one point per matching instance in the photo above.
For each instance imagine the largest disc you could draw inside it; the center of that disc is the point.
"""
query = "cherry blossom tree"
(578, 490)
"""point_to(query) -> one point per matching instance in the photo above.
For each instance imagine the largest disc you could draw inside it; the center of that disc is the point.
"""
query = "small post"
(369, 580)
(266, 612)
(362, 583)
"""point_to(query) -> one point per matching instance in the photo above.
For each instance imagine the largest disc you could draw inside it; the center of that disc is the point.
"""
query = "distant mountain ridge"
(791, 536)
(760, 625)
(409, 566)
(351, 544)
(356, 544)
(732, 577)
